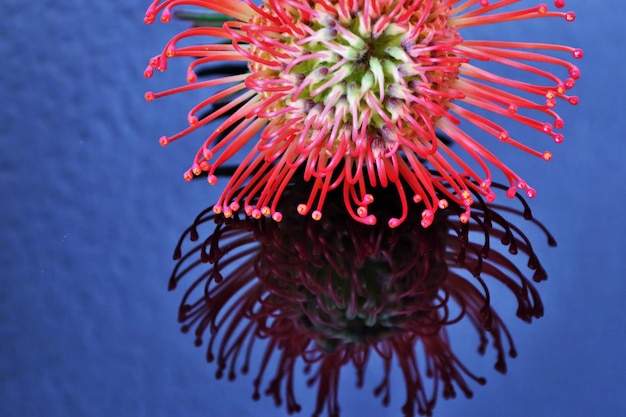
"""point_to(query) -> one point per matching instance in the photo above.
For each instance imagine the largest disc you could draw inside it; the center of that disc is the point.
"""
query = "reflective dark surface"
(92, 207)
(269, 298)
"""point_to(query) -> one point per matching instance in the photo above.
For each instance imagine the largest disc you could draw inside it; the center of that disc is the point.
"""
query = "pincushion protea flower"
(356, 91)
(335, 292)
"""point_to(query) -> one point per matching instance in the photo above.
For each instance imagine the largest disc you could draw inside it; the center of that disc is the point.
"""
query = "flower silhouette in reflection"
(275, 298)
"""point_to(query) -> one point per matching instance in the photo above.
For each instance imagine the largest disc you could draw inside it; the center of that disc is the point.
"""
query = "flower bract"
(360, 93)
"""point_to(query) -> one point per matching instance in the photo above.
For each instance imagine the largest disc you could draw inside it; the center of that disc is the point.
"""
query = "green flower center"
(374, 77)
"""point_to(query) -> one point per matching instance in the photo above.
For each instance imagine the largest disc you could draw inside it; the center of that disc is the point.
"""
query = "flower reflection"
(278, 297)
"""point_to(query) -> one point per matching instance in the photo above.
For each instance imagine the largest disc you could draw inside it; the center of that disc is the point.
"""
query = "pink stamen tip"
(205, 165)
(150, 14)
(234, 206)
(393, 222)
(212, 179)
(361, 211)
(248, 210)
(302, 209)
(149, 96)
(573, 100)
(577, 53)
(491, 196)
(368, 199)
(227, 212)
(574, 73)
(570, 16)
(417, 198)
(558, 138)
(166, 15)
(256, 213)
(164, 140)
(217, 209)
(193, 120)
(559, 3)
(265, 210)
(171, 51)
(426, 222)
(277, 216)
(196, 170)
(188, 175)
(443, 204)
(531, 192)
(316, 215)
(464, 218)
(547, 127)
(191, 76)
(547, 155)
(427, 214)
(510, 193)
(521, 184)
(148, 72)
(371, 220)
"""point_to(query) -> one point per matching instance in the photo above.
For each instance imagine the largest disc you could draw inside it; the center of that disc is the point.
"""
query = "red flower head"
(355, 91)
(335, 292)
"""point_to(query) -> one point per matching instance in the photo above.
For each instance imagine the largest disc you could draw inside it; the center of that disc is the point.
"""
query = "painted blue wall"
(91, 208)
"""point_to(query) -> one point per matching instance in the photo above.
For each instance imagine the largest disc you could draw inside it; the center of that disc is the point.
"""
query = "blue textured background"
(91, 207)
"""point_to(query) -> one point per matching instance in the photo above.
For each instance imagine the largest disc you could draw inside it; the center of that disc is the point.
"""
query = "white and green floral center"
(369, 78)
